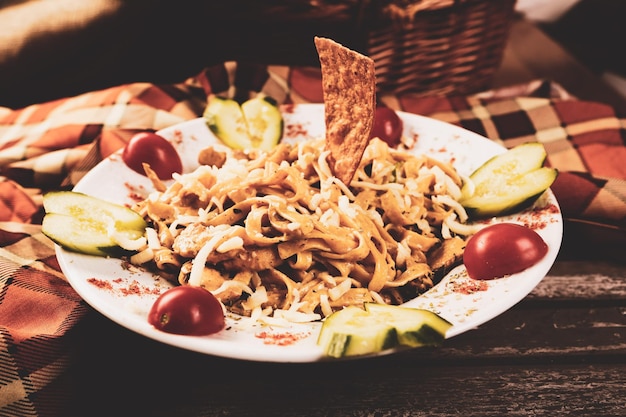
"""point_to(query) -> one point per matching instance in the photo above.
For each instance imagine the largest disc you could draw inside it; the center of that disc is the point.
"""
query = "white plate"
(125, 294)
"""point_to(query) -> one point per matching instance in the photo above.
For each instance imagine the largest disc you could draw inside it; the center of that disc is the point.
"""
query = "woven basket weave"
(419, 46)
(441, 46)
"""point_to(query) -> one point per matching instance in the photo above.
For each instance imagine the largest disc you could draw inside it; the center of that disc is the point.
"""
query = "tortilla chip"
(349, 85)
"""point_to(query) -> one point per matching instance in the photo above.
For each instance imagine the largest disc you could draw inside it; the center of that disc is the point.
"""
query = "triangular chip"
(349, 85)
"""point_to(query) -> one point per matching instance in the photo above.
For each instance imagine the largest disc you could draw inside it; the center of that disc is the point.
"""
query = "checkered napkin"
(51, 145)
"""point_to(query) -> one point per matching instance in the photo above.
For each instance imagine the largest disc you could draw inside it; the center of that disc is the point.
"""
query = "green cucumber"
(414, 327)
(86, 224)
(354, 331)
(508, 182)
(255, 124)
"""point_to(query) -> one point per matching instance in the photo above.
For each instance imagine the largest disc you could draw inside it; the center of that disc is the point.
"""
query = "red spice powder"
(132, 289)
(295, 129)
(136, 193)
(536, 218)
(100, 283)
(280, 339)
(178, 136)
(123, 287)
(469, 287)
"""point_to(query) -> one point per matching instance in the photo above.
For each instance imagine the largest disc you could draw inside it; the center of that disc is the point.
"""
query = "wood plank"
(491, 371)
(548, 335)
(409, 391)
(375, 387)
(583, 280)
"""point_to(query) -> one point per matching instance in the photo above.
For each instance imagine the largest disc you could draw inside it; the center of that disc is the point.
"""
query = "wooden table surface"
(561, 351)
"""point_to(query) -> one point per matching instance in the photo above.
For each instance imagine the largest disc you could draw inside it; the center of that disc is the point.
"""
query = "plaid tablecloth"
(51, 145)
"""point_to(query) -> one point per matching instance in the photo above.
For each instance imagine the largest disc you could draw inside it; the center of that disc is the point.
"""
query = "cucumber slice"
(255, 124)
(86, 224)
(354, 331)
(415, 327)
(265, 122)
(508, 182)
(226, 120)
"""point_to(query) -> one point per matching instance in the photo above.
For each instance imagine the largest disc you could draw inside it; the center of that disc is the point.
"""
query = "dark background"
(162, 41)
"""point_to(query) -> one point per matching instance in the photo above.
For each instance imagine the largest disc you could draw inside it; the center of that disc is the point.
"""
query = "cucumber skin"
(477, 210)
(64, 238)
(217, 114)
(63, 202)
(273, 129)
(525, 149)
(424, 336)
(484, 212)
(432, 331)
(530, 158)
(343, 344)
(356, 332)
(67, 229)
(350, 332)
(219, 110)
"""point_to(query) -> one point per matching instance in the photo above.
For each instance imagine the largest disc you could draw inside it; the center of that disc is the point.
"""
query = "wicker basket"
(419, 46)
(440, 46)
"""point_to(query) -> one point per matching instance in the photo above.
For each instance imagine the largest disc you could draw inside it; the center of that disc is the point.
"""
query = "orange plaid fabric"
(52, 145)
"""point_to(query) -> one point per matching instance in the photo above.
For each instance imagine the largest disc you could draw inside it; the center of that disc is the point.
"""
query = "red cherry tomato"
(387, 126)
(187, 310)
(502, 249)
(154, 150)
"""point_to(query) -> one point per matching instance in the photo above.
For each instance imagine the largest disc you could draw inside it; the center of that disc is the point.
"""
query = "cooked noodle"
(276, 235)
